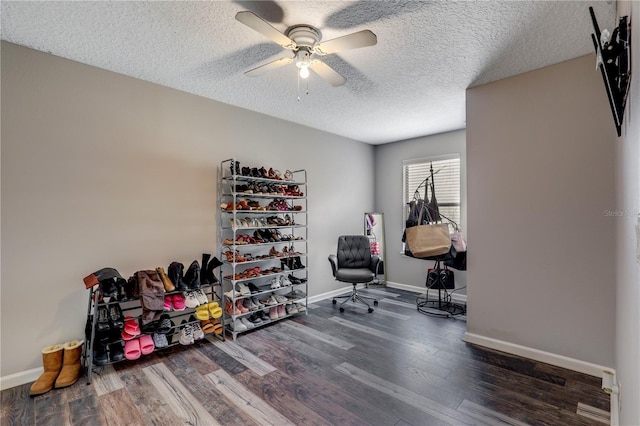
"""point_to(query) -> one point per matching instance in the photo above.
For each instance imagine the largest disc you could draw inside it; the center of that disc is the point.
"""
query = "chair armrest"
(375, 261)
(333, 259)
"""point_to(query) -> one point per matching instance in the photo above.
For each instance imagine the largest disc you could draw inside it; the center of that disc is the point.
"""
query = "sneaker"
(201, 296)
(243, 289)
(232, 294)
(185, 337)
(275, 283)
(273, 313)
(246, 303)
(280, 298)
(271, 301)
(190, 300)
(239, 326)
(165, 324)
(168, 303)
(285, 281)
(297, 294)
(240, 307)
(264, 316)
(251, 304)
(196, 328)
(291, 309)
(300, 307)
(256, 320)
(281, 311)
(257, 303)
(160, 340)
(247, 323)
(178, 302)
(253, 288)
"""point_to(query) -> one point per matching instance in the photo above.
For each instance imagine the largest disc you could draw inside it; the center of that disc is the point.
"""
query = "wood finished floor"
(395, 366)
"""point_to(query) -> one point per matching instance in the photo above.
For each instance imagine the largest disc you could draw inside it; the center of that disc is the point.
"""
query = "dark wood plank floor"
(394, 366)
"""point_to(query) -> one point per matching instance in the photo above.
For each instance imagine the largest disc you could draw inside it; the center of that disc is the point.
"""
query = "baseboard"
(18, 379)
(537, 355)
(456, 297)
(330, 294)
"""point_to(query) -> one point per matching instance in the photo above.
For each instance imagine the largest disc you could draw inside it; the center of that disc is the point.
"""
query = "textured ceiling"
(412, 83)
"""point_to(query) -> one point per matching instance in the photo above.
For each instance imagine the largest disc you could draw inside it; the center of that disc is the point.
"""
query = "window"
(446, 181)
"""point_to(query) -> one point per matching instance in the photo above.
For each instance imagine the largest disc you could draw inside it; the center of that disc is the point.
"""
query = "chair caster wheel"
(341, 309)
(334, 301)
(370, 310)
(375, 303)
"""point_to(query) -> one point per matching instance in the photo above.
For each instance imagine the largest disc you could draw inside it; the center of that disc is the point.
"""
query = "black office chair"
(354, 264)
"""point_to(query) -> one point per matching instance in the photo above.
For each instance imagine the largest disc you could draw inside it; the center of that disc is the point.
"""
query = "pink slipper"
(178, 302)
(146, 344)
(132, 349)
(126, 336)
(131, 326)
(168, 303)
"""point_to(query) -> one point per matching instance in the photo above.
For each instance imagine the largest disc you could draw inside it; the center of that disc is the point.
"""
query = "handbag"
(428, 240)
(440, 279)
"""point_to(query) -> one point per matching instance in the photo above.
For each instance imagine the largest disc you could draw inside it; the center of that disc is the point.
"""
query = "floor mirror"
(374, 230)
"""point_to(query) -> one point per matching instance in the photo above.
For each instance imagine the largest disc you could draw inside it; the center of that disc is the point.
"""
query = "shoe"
(256, 303)
(284, 281)
(240, 307)
(275, 283)
(201, 296)
(271, 301)
(232, 294)
(239, 326)
(207, 326)
(273, 313)
(244, 290)
(175, 272)
(253, 288)
(116, 352)
(230, 308)
(132, 349)
(146, 344)
(300, 307)
(168, 303)
(215, 311)
(131, 326)
(202, 312)
(291, 309)
(256, 320)
(217, 326)
(168, 285)
(280, 298)
(185, 336)
(164, 324)
(160, 340)
(198, 333)
(190, 300)
(297, 294)
(192, 275)
(103, 318)
(100, 356)
(247, 323)
(204, 276)
(250, 304)
(281, 311)
(116, 319)
(178, 302)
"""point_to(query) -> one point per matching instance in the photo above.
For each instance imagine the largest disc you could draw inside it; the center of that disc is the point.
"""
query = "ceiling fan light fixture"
(304, 72)
(303, 61)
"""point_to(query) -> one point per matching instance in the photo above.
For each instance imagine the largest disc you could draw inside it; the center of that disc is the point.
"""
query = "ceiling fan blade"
(362, 38)
(328, 73)
(268, 67)
(255, 22)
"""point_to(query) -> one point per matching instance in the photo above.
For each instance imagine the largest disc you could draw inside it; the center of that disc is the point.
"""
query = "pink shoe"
(282, 311)
(168, 303)
(132, 349)
(240, 307)
(146, 344)
(131, 326)
(273, 313)
(178, 302)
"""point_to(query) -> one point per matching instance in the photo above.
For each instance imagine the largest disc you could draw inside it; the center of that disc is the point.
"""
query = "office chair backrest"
(353, 251)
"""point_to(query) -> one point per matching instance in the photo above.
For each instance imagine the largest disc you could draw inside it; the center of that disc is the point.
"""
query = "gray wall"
(388, 190)
(540, 167)
(627, 265)
(99, 169)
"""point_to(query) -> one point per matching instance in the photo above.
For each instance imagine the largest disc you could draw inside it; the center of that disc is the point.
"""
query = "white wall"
(388, 189)
(627, 266)
(99, 169)
(540, 167)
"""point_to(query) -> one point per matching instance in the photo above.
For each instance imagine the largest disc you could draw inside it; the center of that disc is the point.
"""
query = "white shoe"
(247, 323)
(197, 331)
(275, 283)
(232, 294)
(185, 337)
(251, 304)
(190, 300)
(243, 289)
(271, 301)
(239, 326)
(280, 298)
(285, 281)
(291, 309)
(201, 296)
(257, 303)
(300, 307)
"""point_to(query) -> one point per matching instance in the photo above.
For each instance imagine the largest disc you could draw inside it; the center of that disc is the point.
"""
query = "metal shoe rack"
(247, 217)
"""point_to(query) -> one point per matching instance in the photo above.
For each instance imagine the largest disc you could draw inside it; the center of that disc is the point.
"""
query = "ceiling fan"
(305, 43)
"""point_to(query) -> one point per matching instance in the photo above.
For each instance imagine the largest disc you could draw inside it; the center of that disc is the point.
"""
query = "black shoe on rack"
(100, 356)
(192, 276)
(103, 318)
(116, 352)
(115, 316)
(174, 272)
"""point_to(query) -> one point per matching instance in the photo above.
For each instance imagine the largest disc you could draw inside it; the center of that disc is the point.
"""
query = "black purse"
(441, 278)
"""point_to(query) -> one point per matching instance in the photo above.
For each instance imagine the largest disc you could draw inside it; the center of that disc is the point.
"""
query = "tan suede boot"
(168, 285)
(71, 364)
(52, 363)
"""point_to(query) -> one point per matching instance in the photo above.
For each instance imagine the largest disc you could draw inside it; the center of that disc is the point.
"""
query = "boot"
(204, 276)
(208, 269)
(71, 365)
(52, 363)
(175, 275)
(168, 285)
(192, 276)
